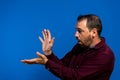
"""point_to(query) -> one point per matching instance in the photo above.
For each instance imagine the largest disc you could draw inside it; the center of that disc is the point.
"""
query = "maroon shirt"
(83, 64)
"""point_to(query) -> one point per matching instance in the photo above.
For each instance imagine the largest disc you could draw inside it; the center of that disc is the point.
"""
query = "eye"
(79, 30)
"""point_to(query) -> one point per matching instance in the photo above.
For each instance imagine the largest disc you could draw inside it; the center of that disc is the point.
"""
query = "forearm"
(59, 70)
(54, 58)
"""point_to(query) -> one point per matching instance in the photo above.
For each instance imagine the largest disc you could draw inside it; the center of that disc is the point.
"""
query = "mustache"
(76, 38)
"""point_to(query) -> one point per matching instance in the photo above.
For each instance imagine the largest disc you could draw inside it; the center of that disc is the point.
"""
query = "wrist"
(45, 61)
(48, 52)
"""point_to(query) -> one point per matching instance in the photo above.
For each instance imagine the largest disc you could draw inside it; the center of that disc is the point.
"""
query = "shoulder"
(104, 55)
(106, 50)
(102, 49)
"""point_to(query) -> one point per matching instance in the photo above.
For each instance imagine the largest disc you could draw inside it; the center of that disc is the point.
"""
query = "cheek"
(85, 38)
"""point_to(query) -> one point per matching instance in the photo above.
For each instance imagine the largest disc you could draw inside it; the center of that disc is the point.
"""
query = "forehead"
(82, 24)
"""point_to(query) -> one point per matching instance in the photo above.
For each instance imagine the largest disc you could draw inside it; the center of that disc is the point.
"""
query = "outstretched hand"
(47, 42)
(42, 59)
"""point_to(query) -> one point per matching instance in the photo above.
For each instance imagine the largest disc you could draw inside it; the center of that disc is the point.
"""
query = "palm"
(47, 41)
(42, 59)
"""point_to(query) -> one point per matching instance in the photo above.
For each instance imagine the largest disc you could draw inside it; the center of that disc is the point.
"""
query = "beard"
(86, 42)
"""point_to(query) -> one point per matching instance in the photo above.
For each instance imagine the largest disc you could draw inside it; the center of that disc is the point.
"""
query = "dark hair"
(93, 21)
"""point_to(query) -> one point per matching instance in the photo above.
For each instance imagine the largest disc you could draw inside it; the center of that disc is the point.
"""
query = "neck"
(95, 42)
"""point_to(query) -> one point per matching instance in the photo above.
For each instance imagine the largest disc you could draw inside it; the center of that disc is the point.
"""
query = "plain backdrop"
(21, 22)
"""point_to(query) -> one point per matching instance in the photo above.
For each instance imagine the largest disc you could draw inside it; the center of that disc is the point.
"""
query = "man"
(90, 58)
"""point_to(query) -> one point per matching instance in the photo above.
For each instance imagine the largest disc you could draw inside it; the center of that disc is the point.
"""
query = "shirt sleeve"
(53, 57)
(64, 61)
(87, 71)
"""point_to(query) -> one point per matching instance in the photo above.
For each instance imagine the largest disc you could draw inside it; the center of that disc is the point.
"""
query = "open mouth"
(79, 42)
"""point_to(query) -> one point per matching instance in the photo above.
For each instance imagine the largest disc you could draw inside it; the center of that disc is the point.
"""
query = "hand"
(47, 42)
(42, 59)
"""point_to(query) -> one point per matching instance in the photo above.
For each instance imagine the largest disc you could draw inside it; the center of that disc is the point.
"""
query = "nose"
(76, 34)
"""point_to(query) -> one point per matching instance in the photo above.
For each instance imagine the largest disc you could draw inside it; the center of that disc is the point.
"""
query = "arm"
(64, 61)
(87, 71)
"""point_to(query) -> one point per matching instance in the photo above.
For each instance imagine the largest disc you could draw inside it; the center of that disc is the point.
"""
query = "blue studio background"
(21, 22)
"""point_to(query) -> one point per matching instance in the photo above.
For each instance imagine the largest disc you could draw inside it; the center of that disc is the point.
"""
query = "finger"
(49, 35)
(40, 39)
(30, 61)
(43, 33)
(23, 60)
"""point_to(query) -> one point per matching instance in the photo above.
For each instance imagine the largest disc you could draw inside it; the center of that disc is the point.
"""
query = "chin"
(80, 43)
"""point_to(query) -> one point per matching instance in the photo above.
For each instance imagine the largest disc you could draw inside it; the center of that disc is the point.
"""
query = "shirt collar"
(100, 44)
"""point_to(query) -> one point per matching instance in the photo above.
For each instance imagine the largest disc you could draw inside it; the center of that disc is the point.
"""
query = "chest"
(78, 59)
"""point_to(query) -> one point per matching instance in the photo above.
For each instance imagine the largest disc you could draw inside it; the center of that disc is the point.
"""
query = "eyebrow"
(79, 29)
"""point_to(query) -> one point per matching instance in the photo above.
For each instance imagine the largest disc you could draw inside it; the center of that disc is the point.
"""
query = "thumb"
(40, 55)
(52, 40)
(43, 57)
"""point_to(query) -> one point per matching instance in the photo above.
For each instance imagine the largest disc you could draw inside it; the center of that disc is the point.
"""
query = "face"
(83, 35)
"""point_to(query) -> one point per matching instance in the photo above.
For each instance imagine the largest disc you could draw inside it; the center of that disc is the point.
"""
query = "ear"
(94, 32)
